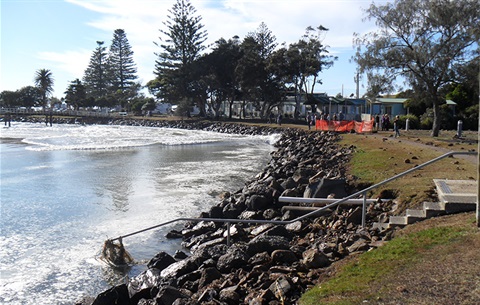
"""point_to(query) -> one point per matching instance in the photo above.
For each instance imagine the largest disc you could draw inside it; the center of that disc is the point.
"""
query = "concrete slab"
(456, 191)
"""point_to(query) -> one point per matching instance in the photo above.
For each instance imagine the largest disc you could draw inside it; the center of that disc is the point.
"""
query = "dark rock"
(229, 295)
(355, 217)
(359, 245)
(117, 295)
(268, 244)
(209, 275)
(281, 288)
(277, 231)
(189, 277)
(288, 184)
(168, 294)
(180, 255)
(326, 187)
(262, 258)
(232, 210)
(216, 212)
(182, 267)
(257, 202)
(174, 234)
(161, 261)
(312, 258)
(200, 228)
(233, 259)
(284, 257)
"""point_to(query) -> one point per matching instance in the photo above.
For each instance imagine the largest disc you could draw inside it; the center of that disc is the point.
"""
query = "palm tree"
(44, 82)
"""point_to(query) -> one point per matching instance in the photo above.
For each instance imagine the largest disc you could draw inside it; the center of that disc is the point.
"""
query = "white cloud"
(142, 20)
(72, 62)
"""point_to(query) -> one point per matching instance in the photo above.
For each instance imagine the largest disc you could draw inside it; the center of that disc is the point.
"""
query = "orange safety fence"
(344, 126)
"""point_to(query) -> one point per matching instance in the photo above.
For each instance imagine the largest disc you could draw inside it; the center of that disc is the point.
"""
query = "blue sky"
(61, 35)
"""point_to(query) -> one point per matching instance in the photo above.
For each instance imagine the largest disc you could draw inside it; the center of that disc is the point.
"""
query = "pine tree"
(96, 75)
(184, 43)
(122, 68)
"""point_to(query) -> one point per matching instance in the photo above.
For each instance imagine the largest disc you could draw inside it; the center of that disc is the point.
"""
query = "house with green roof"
(394, 106)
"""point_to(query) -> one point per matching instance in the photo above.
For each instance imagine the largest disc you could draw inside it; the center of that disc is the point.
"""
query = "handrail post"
(228, 234)
(364, 209)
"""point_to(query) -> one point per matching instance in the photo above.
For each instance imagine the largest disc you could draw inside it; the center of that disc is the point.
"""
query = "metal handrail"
(313, 213)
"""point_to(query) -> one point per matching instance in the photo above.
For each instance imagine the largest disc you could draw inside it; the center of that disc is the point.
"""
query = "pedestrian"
(279, 119)
(309, 120)
(271, 118)
(387, 122)
(8, 119)
(396, 127)
(377, 122)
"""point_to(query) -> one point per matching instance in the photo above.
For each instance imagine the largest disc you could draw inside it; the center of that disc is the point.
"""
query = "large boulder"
(264, 243)
(161, 261)
(233, 259)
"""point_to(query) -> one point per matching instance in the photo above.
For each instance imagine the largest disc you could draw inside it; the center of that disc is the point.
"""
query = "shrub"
(413, 121)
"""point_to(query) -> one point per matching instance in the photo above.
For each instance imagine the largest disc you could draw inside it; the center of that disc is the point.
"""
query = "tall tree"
(306, 59)
(9, 99)
(96, 77)
(30, 96)
(76, 95)
(256, 75)
(183, 45)
(220, 66)
(122, 68)
(423, 41)
(44, 82)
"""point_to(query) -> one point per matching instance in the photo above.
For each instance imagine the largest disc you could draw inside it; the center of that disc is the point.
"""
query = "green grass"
(351, 284)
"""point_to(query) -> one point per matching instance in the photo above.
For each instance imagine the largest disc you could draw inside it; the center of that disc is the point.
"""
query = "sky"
(61, 35)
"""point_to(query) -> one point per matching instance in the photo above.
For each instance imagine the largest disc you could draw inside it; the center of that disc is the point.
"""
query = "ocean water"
(65, 189)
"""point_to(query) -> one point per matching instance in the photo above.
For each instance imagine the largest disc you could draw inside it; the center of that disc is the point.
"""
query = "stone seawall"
(265, 264)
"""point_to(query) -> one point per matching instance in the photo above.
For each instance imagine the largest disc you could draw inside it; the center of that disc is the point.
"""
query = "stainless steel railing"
(310, 214)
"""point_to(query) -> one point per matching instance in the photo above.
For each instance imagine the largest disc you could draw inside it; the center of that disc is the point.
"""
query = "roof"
(323, 98)
(384, 100)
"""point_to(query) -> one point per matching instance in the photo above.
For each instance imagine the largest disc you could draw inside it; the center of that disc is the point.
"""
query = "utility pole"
(478, 153)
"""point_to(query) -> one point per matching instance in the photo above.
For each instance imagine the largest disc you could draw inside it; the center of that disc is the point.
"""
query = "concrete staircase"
(455, 196)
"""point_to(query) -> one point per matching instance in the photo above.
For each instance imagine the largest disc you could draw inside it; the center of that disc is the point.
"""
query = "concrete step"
(433, 209)
(398, 221)
(415, 213)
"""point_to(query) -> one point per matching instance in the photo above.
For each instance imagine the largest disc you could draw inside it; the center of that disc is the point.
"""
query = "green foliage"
(183, 108)
(96, 77)
(9, 99)
(44, 83)
(76, 95)
(182, 47)
(122, 68)
(424, 43)
(413, 121)
(426, 119)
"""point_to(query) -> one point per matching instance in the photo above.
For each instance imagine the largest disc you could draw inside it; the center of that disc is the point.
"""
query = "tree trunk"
(436, 117)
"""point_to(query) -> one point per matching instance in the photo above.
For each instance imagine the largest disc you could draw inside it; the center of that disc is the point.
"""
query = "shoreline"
(262, 258)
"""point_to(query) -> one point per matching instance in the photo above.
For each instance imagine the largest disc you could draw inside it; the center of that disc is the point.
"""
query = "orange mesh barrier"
(344, 126)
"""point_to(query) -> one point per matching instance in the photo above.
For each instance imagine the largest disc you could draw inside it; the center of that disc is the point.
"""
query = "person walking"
(396, 127)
